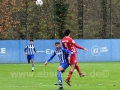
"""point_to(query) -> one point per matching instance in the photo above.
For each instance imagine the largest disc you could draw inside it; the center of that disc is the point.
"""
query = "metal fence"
(88, 19)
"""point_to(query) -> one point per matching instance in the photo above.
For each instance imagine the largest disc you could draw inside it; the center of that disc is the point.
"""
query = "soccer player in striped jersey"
(30, 51)
(64, 62)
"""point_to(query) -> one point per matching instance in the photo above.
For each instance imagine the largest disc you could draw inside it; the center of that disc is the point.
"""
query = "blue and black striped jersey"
(61, 53)
(30, 49)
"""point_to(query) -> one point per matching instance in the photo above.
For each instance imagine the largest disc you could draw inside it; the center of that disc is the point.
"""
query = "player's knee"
(59, 69)
(62, 71)
(72, 69)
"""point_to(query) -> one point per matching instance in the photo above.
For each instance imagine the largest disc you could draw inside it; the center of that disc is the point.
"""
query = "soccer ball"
(39, 2)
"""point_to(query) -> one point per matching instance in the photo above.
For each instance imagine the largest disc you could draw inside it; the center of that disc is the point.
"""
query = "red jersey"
(69, 43)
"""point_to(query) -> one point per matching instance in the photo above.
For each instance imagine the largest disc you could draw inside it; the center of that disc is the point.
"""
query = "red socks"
(69, 75)
(78, 69)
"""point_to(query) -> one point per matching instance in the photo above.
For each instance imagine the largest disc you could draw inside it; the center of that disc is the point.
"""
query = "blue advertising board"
(100, 50)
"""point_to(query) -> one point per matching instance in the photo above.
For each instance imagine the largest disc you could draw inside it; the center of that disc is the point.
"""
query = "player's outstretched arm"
(50, 59)
(80, 47)
(86, 49)
(77, 46)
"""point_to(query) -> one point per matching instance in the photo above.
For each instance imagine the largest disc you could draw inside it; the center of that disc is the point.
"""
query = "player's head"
(57, 45)
(31, 41)
(67, 32)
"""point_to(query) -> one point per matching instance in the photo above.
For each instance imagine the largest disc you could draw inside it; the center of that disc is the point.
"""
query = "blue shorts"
(64, 65)
(30, 57)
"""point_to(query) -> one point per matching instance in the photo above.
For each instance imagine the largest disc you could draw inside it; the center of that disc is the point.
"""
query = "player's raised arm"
(50, 59)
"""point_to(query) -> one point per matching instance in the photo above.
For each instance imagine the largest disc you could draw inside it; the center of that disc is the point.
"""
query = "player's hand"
(36, 53)
(26, 54)
(69, 59)
(45, 63)
(86, 49)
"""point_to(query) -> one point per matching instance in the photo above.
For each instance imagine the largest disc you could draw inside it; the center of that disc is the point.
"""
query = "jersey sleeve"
(25, 49)
(34, 50)
(77, 46)
(51, 57)
(67, 51)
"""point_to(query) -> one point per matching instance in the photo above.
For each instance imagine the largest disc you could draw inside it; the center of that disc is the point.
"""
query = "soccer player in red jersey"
(69, 43)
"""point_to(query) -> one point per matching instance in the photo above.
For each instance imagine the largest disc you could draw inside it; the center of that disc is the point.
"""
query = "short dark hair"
(67, 32)
(57, 43)
(31, 40)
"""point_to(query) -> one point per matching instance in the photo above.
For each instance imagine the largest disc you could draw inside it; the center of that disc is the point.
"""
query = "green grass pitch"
(99, 76)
